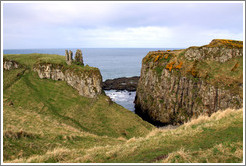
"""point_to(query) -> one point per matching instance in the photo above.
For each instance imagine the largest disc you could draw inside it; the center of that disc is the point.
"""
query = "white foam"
(123, 98)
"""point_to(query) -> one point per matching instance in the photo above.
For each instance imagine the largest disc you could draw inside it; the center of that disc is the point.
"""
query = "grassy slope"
(51, 114)
(43, 122)
(214, 139)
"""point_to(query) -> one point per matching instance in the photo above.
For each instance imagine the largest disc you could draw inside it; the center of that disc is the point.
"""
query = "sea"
(112, 62)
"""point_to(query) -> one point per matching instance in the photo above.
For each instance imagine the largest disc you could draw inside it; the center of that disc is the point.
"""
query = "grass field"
(47, 121)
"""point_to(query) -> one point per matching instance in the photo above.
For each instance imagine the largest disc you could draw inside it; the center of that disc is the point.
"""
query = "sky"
(119, 25)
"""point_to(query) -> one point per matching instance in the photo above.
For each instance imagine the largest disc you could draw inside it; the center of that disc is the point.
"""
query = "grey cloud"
(55, 24)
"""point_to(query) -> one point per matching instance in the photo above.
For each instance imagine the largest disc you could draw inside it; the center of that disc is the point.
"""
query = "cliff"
(87, 80)
(178, 85)
(10, 64)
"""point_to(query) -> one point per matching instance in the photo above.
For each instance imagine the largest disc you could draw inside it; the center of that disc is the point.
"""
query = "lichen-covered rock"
(88, 83)
(167, 96)
(10, 64)
(218, 50)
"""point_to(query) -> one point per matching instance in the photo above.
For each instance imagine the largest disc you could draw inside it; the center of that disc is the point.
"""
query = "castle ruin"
(78, 57)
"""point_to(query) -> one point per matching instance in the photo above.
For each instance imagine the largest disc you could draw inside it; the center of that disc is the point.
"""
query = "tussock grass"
(214, 139)
(217, 154)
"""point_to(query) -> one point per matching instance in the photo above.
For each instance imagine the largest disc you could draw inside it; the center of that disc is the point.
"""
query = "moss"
(182, 53)
(198, 100)
(159, 70)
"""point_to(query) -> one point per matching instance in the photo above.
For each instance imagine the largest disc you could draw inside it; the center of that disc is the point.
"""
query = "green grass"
(218, 138)
(48, 121)
(53, 110)
(159, 70)
(31, 59)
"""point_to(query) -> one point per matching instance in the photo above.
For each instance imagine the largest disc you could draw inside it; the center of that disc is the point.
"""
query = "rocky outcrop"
(88, 82)
(169, 92)
(123, 83)
(10, 64)
(218, 50)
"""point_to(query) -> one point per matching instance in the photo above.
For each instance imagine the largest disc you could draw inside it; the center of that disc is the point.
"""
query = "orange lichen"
(193, 72)
(170, 66)
(179, 65)
(158, 56)
(225, 42)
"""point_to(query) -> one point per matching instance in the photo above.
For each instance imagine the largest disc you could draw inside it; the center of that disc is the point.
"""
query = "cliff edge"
(178, 85)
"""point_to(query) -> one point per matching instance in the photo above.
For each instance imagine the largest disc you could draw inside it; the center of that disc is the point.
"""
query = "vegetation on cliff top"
(228, 74)
(225, 43)
(33, 60)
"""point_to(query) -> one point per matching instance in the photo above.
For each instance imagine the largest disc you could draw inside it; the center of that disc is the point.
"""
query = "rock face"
(9, 64)
(169, 94)
(123, 83)
(87, 82)
(78, 57)
(215, 51)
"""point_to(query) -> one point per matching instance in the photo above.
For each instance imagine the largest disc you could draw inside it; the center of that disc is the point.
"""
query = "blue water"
(112, 62)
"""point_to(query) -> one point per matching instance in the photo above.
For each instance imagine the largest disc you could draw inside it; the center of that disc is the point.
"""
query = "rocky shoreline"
(122, 83)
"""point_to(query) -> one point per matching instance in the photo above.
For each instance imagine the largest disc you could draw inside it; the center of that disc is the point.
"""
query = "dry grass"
(221, 152)
(216, 154)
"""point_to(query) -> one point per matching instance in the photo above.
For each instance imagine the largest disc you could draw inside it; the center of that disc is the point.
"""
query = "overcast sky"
(120, 25)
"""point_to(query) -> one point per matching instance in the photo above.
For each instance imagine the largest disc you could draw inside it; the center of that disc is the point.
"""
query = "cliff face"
(178, 85)
(216, 50)
(9, 64)
(88, 82)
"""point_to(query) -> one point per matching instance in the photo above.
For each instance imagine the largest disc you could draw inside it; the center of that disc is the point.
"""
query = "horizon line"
(92, 48)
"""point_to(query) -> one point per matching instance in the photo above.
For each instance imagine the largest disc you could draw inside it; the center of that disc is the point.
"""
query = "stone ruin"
(78, 57)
